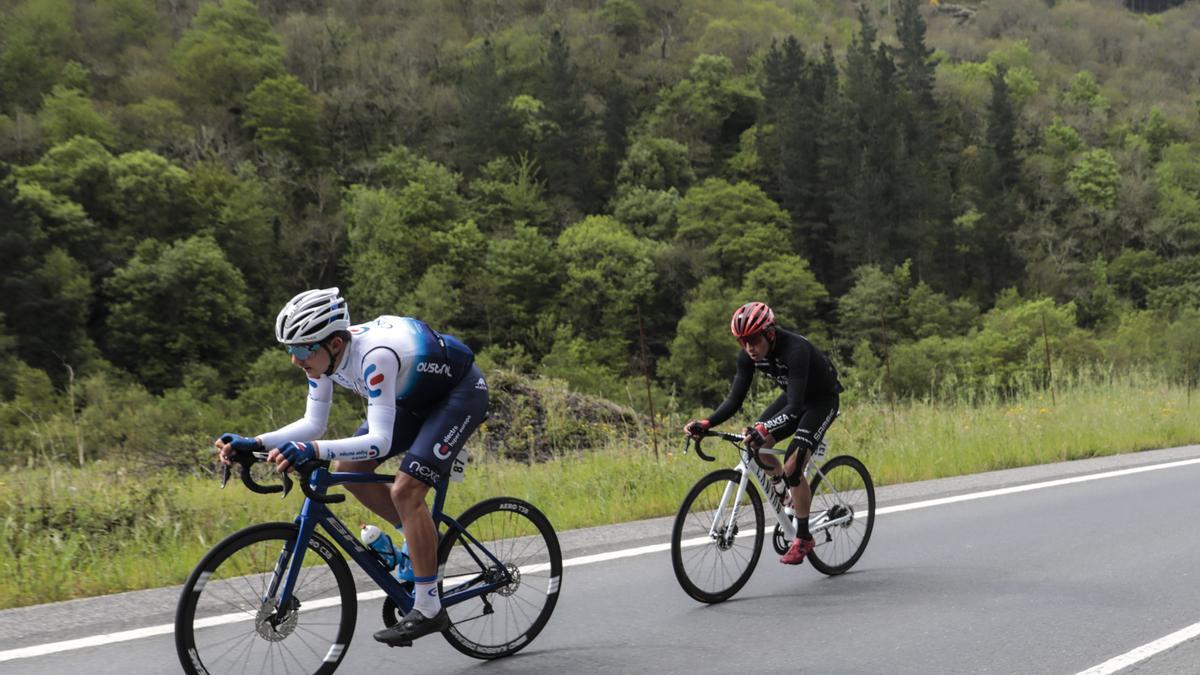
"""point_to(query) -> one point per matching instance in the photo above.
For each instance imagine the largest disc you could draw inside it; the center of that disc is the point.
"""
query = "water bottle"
(381, 544)
(404, 571)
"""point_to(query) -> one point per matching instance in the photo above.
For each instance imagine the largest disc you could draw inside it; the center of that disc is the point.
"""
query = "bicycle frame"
(750, 470)
(313, 513)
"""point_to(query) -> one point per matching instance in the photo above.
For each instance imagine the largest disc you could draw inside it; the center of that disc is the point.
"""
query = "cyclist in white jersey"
(425, 397)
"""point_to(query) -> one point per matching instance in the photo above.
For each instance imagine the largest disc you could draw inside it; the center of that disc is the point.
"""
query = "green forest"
(951, 200)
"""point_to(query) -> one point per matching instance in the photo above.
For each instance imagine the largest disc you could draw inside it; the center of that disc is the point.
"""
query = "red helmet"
(751, 318)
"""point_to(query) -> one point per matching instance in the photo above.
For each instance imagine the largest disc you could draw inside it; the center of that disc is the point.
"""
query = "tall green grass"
(70, 532)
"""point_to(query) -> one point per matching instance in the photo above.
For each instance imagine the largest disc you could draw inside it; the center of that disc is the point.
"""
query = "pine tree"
(865, 199)
(780, 132)
(794, 110)
(912, 57)
(996, 265)
(924, 193)
(566, 149)
(1005, 167)
(615, 123)
(488, 128)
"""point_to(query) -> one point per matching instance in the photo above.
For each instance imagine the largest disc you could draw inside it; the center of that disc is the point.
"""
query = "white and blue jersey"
(402, 359)
(421, 387)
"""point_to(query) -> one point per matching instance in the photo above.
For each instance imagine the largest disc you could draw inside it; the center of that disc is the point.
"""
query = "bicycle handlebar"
(247, 459)
(735, 439)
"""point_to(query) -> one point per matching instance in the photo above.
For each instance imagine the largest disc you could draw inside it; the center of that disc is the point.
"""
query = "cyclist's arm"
(316, 416)
(798, 364)
(381, 370)
(737, 391)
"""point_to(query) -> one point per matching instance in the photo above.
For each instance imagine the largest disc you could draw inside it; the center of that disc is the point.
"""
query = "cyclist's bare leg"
(801, 494)
(408, 495)
(374, 496)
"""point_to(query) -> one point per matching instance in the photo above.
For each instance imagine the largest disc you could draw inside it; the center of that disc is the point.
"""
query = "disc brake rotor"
(514, 574)
(275, 625)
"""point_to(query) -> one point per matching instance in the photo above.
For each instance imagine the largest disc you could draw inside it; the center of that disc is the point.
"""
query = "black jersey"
(799, 368)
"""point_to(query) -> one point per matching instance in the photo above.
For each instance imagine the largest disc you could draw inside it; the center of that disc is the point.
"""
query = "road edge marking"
(1139, 654)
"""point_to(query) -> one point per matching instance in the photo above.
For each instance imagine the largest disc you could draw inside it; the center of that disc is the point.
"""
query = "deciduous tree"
(173, 305)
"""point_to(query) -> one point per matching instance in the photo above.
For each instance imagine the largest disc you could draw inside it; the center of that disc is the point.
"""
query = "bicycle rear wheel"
(845, 493)
(713, 556)
(506, 618)
(226, 623)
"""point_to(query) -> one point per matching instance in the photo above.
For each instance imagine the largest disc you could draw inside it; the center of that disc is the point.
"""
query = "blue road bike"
(280, 598)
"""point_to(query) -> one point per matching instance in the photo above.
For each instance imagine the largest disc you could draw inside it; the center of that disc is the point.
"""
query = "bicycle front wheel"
(842, 514)
(715, 543)
(227, 621)
(505, 617)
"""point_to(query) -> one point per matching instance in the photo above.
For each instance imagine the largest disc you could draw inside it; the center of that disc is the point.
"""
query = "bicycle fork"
(724, 535)
(278, 606)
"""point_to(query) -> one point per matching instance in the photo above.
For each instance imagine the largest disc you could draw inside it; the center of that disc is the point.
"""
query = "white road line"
(151, 631)
(1144, 652)
(1032, 486)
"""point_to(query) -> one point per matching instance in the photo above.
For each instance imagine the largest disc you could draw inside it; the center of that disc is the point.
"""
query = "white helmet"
(312, 316)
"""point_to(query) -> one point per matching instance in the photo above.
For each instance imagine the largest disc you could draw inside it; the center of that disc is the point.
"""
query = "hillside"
(949, 202)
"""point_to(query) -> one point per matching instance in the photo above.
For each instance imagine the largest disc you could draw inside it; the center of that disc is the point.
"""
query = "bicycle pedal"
(400, 643)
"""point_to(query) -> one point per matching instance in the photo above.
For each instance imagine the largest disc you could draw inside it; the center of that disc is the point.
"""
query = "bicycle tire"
(521, 538)
(230, 581)
(839, 547)
(717, 584)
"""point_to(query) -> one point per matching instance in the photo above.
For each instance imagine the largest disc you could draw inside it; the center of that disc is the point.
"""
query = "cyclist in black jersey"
(804, 411)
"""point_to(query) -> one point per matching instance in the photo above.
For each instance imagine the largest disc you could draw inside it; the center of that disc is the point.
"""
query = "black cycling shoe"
(412, 626)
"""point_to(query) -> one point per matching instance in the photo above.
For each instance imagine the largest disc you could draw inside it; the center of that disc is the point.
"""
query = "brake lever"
(225, 469)
(284, 477)
(757, 459)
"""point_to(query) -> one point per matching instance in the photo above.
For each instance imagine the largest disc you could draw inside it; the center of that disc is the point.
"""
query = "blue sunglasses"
(303, 352)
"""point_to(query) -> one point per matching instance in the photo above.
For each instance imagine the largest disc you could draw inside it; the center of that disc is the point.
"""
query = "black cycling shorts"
(809, 427)
(430, 439)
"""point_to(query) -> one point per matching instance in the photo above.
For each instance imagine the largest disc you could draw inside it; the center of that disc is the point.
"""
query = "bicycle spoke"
(842, 490)
(239, 571)
(520, 600)
(716, 568)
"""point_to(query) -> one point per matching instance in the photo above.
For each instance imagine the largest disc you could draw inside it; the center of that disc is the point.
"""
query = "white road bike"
(718, 534)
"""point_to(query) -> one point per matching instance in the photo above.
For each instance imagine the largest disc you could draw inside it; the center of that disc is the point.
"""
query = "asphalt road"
(1051, 580)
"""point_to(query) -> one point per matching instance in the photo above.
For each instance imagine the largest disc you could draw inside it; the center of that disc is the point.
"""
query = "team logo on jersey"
(359, 330)
(441, 450)
(435, 368)
(373, 381)
(778, 421)
(312, 383)
(481, 385)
